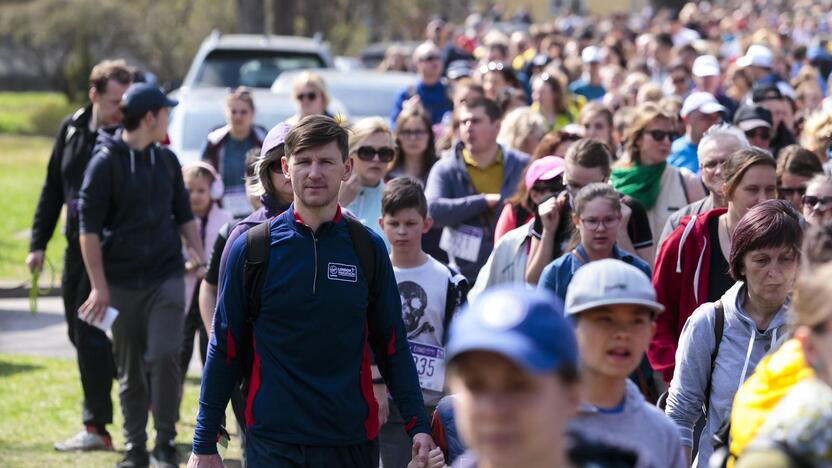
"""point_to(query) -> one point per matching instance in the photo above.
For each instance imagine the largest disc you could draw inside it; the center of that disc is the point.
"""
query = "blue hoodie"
(310, 382)
(136, 201)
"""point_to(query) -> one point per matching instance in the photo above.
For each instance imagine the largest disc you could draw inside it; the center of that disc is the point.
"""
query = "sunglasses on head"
(759, 132)
(814, 201)
(789, 191)
(367, 153)
(310, 96)
(659, 135)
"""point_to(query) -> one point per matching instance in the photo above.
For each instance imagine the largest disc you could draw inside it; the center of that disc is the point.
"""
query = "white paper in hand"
(107, 321)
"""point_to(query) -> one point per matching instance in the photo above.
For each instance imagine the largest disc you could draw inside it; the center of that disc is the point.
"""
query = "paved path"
(44, 333)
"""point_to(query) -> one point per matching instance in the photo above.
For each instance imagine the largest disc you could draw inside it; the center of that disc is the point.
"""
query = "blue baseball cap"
(526, 326)
(144, 97)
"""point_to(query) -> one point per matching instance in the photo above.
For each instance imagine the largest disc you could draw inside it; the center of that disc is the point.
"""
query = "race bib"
(430, 365)
(236, 201)
(462, 242)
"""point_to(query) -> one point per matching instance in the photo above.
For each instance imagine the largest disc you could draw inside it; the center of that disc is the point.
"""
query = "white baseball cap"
(758, 56)
(706, 65)
(608, 282)
(703, 102)
(591, 54)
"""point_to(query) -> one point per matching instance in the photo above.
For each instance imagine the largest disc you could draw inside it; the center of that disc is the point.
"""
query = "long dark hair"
(429, 156)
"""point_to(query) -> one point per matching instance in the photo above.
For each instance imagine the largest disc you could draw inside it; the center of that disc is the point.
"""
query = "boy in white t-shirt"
(430, 292)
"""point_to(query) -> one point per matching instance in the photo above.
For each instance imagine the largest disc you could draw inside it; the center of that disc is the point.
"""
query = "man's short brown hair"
(317, 130)
(110, 70)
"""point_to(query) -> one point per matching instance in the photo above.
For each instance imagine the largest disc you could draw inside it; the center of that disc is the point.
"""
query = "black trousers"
(193, 325)
(281, 455)
(93, 347)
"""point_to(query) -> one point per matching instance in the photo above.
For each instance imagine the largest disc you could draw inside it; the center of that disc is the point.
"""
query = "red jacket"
(680, 278)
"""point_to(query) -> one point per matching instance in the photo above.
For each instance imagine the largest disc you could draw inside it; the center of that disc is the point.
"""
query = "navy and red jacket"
(311, 382)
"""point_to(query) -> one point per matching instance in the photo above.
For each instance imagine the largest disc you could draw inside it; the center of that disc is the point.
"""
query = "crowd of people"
(582, 242)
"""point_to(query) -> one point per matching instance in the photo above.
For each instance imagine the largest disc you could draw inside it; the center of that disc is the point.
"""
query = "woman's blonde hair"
(811, 306)
(644, 115)
(817, 131)
(313, 80)
(366, 127)
(240, 93)
(520, 124)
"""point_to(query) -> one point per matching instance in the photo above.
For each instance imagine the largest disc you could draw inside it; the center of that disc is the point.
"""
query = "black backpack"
(256, 265)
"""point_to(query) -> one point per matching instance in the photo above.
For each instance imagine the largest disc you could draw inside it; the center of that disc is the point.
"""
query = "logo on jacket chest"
(342, 272)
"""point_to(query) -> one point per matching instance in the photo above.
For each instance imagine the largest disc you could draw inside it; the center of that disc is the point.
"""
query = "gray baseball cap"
(608, 282)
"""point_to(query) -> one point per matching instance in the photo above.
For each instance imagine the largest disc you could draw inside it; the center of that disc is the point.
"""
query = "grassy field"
(23, 162)
(41, 405)
(33, 113)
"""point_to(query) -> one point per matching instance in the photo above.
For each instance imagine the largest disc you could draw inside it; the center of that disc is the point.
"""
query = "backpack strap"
(365, 250)
(719, 326)
(257, 256)
(456, 295)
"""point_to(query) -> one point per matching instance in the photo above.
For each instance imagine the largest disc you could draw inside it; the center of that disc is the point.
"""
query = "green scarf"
(639, 182)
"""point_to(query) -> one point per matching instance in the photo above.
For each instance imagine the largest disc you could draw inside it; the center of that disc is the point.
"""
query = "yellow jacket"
(774, 376)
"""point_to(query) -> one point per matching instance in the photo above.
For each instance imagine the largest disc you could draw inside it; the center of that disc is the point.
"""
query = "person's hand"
(421, 451)
(205, 461)
(436, 459)
(380, 392)
(412, 102)
(349, 189)
(94, 308)
(492, 199)
(549, 212)
(35, 261)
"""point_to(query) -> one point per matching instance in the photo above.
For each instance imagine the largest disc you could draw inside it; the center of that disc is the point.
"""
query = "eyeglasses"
(367, 153)
(659, 135)
(790, 191)
(310, 96)
(593, 223)
(759, 132)
(413, 133)
(814, 201)
(430, 58)
(713, 164)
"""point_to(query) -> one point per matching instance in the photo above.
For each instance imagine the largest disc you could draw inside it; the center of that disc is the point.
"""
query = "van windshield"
(252, 68)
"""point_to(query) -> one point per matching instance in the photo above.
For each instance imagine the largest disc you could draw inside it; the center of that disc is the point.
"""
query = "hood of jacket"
(773, 378)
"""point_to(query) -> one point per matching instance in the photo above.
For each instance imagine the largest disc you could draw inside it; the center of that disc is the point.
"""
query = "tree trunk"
(283, 17)
(250, 14)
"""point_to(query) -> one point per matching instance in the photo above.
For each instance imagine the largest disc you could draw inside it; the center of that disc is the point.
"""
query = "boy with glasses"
(756, 122)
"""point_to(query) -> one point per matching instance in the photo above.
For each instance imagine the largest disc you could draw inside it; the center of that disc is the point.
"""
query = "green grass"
(23, 161)
(32, 113)
(41, 404)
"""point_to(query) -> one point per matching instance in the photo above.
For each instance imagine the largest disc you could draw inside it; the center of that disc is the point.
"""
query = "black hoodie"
(136, 201)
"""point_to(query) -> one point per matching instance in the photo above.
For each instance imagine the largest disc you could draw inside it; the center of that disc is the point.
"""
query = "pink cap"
(545, 168)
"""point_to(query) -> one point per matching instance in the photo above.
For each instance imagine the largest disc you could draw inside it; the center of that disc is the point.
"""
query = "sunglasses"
(814, 201)
(790, 191)
(760, 132)
(430, 58)
(413, 133)
(659, 135)
(310, 96)
(679, 80)
(367, 153)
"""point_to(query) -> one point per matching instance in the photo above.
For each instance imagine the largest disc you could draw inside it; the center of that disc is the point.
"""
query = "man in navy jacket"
(310, 400)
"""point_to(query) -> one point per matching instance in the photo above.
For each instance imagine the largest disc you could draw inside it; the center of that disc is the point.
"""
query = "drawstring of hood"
(751, 346)
(133, 159)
